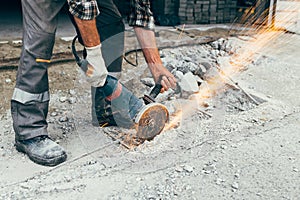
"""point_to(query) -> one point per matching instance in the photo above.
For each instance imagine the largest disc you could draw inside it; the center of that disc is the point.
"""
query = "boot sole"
(46, 162)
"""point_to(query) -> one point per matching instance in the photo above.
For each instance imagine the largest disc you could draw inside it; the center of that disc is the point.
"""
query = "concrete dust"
(239, 151)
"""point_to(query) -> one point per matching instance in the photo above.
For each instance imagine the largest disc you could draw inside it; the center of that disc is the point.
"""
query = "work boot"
(101, 109)
(42, 150)
(104, 113)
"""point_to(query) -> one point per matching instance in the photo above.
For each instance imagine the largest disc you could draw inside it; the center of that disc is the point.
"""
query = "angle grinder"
(146, 116)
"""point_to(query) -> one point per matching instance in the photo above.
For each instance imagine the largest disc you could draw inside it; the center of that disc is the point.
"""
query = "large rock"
(188, 83)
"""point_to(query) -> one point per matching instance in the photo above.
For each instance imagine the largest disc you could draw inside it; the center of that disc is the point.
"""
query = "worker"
(30, 100)
(111, 30)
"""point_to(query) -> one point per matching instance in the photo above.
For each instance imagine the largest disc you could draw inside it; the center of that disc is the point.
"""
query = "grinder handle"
(155, 91)
(157, 88)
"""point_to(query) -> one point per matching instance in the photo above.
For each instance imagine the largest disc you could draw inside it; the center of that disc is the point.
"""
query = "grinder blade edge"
(151, 120)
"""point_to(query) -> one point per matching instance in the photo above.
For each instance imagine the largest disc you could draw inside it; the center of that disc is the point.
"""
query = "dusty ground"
(251, 154)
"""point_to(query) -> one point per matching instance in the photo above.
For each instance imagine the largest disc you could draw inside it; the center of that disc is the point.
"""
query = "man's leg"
(111, 30)
(29, 105)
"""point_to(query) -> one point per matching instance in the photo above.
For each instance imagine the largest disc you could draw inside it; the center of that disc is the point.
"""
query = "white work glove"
(96, 72)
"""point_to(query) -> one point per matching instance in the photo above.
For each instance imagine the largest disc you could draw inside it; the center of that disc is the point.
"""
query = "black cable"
(77, 58)
(160, 48)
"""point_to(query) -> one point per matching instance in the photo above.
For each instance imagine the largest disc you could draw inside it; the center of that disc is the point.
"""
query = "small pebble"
(188, 187)
(235, 185)
(295, 170)
(148, 81)
(258, 194)
(219, 181)
(72, 92)
(72, 100)
(17, 43)
(188, 168)
(151, 197)
(63, 99)
(4, 42)
(53, 114)
(63, 119)
(209, 168)
(24, 186)
(178, 169)
(51, 120)
(187, 59)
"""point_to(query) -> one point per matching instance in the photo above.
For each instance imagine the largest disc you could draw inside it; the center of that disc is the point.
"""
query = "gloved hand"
(96, 72)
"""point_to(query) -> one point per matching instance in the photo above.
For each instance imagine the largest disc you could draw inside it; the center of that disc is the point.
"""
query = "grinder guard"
(151, 120)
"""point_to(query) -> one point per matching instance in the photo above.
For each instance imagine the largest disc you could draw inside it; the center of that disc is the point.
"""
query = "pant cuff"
(31, 134)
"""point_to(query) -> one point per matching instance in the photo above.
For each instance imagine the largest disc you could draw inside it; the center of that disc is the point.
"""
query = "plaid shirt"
(141, 14)
(83, 9)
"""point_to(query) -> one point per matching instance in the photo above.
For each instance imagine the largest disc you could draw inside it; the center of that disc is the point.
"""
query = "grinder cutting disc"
(151, 120)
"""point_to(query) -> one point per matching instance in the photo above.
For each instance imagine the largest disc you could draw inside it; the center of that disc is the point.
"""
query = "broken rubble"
(178, 75)
(188, 83)
(148, 82)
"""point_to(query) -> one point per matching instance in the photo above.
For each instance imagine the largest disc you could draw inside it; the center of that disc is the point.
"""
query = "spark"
(266, 33)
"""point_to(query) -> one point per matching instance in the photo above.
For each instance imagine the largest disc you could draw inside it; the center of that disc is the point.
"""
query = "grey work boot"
(101, 111)
(42, 150)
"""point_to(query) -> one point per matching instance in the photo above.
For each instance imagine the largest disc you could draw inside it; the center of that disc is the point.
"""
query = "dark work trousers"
(111, 30)
(30, 100)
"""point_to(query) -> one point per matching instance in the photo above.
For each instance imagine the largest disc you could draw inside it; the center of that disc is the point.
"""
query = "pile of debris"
(197, 68)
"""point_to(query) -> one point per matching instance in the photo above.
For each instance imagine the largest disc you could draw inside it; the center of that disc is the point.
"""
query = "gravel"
(233, 154)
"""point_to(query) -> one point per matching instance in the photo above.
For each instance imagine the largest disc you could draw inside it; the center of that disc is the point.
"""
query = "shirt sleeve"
(141, 14)
(83, 9)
